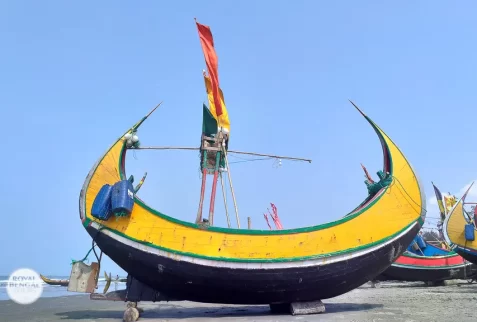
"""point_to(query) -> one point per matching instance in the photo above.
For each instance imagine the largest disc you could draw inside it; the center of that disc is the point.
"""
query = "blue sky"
(75, 75)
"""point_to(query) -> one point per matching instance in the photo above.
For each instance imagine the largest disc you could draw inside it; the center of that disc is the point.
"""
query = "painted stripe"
(248, 264)
(432, 267)
(346, 250)
(430, 261)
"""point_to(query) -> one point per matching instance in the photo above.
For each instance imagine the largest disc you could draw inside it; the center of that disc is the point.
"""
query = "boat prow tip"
(356, 106)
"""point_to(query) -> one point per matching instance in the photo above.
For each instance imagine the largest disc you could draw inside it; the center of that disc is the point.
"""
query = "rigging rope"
(82, 260)
(91, 249)
(420, 206)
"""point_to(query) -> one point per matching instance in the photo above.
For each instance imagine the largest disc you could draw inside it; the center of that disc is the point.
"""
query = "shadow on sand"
(91, 315)
(168, 311)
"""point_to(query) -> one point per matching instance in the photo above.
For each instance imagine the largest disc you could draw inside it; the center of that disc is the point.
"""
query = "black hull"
(181, 280)
(409, 274)
(467, 256)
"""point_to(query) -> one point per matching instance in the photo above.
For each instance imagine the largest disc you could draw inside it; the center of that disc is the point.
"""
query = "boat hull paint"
(54, 282)
(200, 283)
(454, 231)
(467, 255)
(437, 274)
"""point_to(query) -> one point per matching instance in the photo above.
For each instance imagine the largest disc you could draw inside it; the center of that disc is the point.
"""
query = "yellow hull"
(454, 231)
(54, 281)
(395, 209)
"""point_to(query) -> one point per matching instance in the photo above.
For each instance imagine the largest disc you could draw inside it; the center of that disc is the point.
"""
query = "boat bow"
(454, 228)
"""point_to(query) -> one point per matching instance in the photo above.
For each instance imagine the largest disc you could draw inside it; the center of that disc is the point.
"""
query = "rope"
(91, 249)
(420, 206)
(82, 260)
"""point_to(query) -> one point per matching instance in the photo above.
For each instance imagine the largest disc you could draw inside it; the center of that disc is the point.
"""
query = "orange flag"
(211, 60)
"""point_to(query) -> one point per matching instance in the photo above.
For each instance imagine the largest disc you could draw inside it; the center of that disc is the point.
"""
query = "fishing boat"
(167, 258)
(459, 228)
(423, 262)
(55, 282)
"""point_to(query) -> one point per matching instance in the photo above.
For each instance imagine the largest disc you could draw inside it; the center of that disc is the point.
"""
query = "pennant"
(211, 60)
(439, 202)
(449, 202)
(367, 174)
(274, 216)
(223, 120)
(268, 222)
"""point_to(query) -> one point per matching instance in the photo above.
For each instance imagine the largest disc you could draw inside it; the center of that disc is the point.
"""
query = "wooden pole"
(249, 220)
(231, 185)
(214, 189)
(229, 151)
(202, 189)
(225, 199)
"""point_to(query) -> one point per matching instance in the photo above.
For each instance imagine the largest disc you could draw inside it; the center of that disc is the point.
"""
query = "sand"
(391, 302)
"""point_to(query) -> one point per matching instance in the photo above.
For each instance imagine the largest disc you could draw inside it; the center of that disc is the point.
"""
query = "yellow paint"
(223, 119)
(455, 227)
(397, 208)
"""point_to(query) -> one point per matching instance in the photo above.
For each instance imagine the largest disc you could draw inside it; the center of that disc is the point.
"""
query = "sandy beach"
(390, 302)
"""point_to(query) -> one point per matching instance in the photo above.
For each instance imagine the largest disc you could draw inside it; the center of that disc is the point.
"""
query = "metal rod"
(249, 221)
(231, 185)
(270, 155)
(214, 189)
(230, 151)
(167, 148)
(225, 199)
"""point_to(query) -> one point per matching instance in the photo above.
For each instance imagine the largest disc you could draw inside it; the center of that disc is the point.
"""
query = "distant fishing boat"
(56, 282)
(459, 229)
(423, 262)
(290, 269)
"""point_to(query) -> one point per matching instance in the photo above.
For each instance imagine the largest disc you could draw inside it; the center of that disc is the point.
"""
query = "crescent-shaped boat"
(459, 230)
(196, 262)
(423, 262)
(55, 282)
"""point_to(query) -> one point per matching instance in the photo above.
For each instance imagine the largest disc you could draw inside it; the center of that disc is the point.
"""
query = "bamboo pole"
(225, 199)
(214, 189)
(231, 185)
(202, 190)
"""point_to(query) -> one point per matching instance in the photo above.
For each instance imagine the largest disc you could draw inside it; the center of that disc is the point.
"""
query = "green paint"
(209, 123)
(410, 254)
(265, 232)
(385, 180)
(428, 267)
(236, 231)
(262, 260)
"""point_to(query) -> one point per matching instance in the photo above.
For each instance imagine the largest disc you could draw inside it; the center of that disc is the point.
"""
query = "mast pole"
(231, 185)
(202, 190)
(225, 199)
(214, 189)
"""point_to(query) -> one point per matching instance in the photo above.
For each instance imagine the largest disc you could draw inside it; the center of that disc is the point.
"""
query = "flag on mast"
(214, 93)
(440, 202)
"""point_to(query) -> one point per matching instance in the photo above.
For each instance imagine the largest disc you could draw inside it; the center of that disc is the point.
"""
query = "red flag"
(275, 217)
(212, 62)
(367, 174)
(268, 222)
